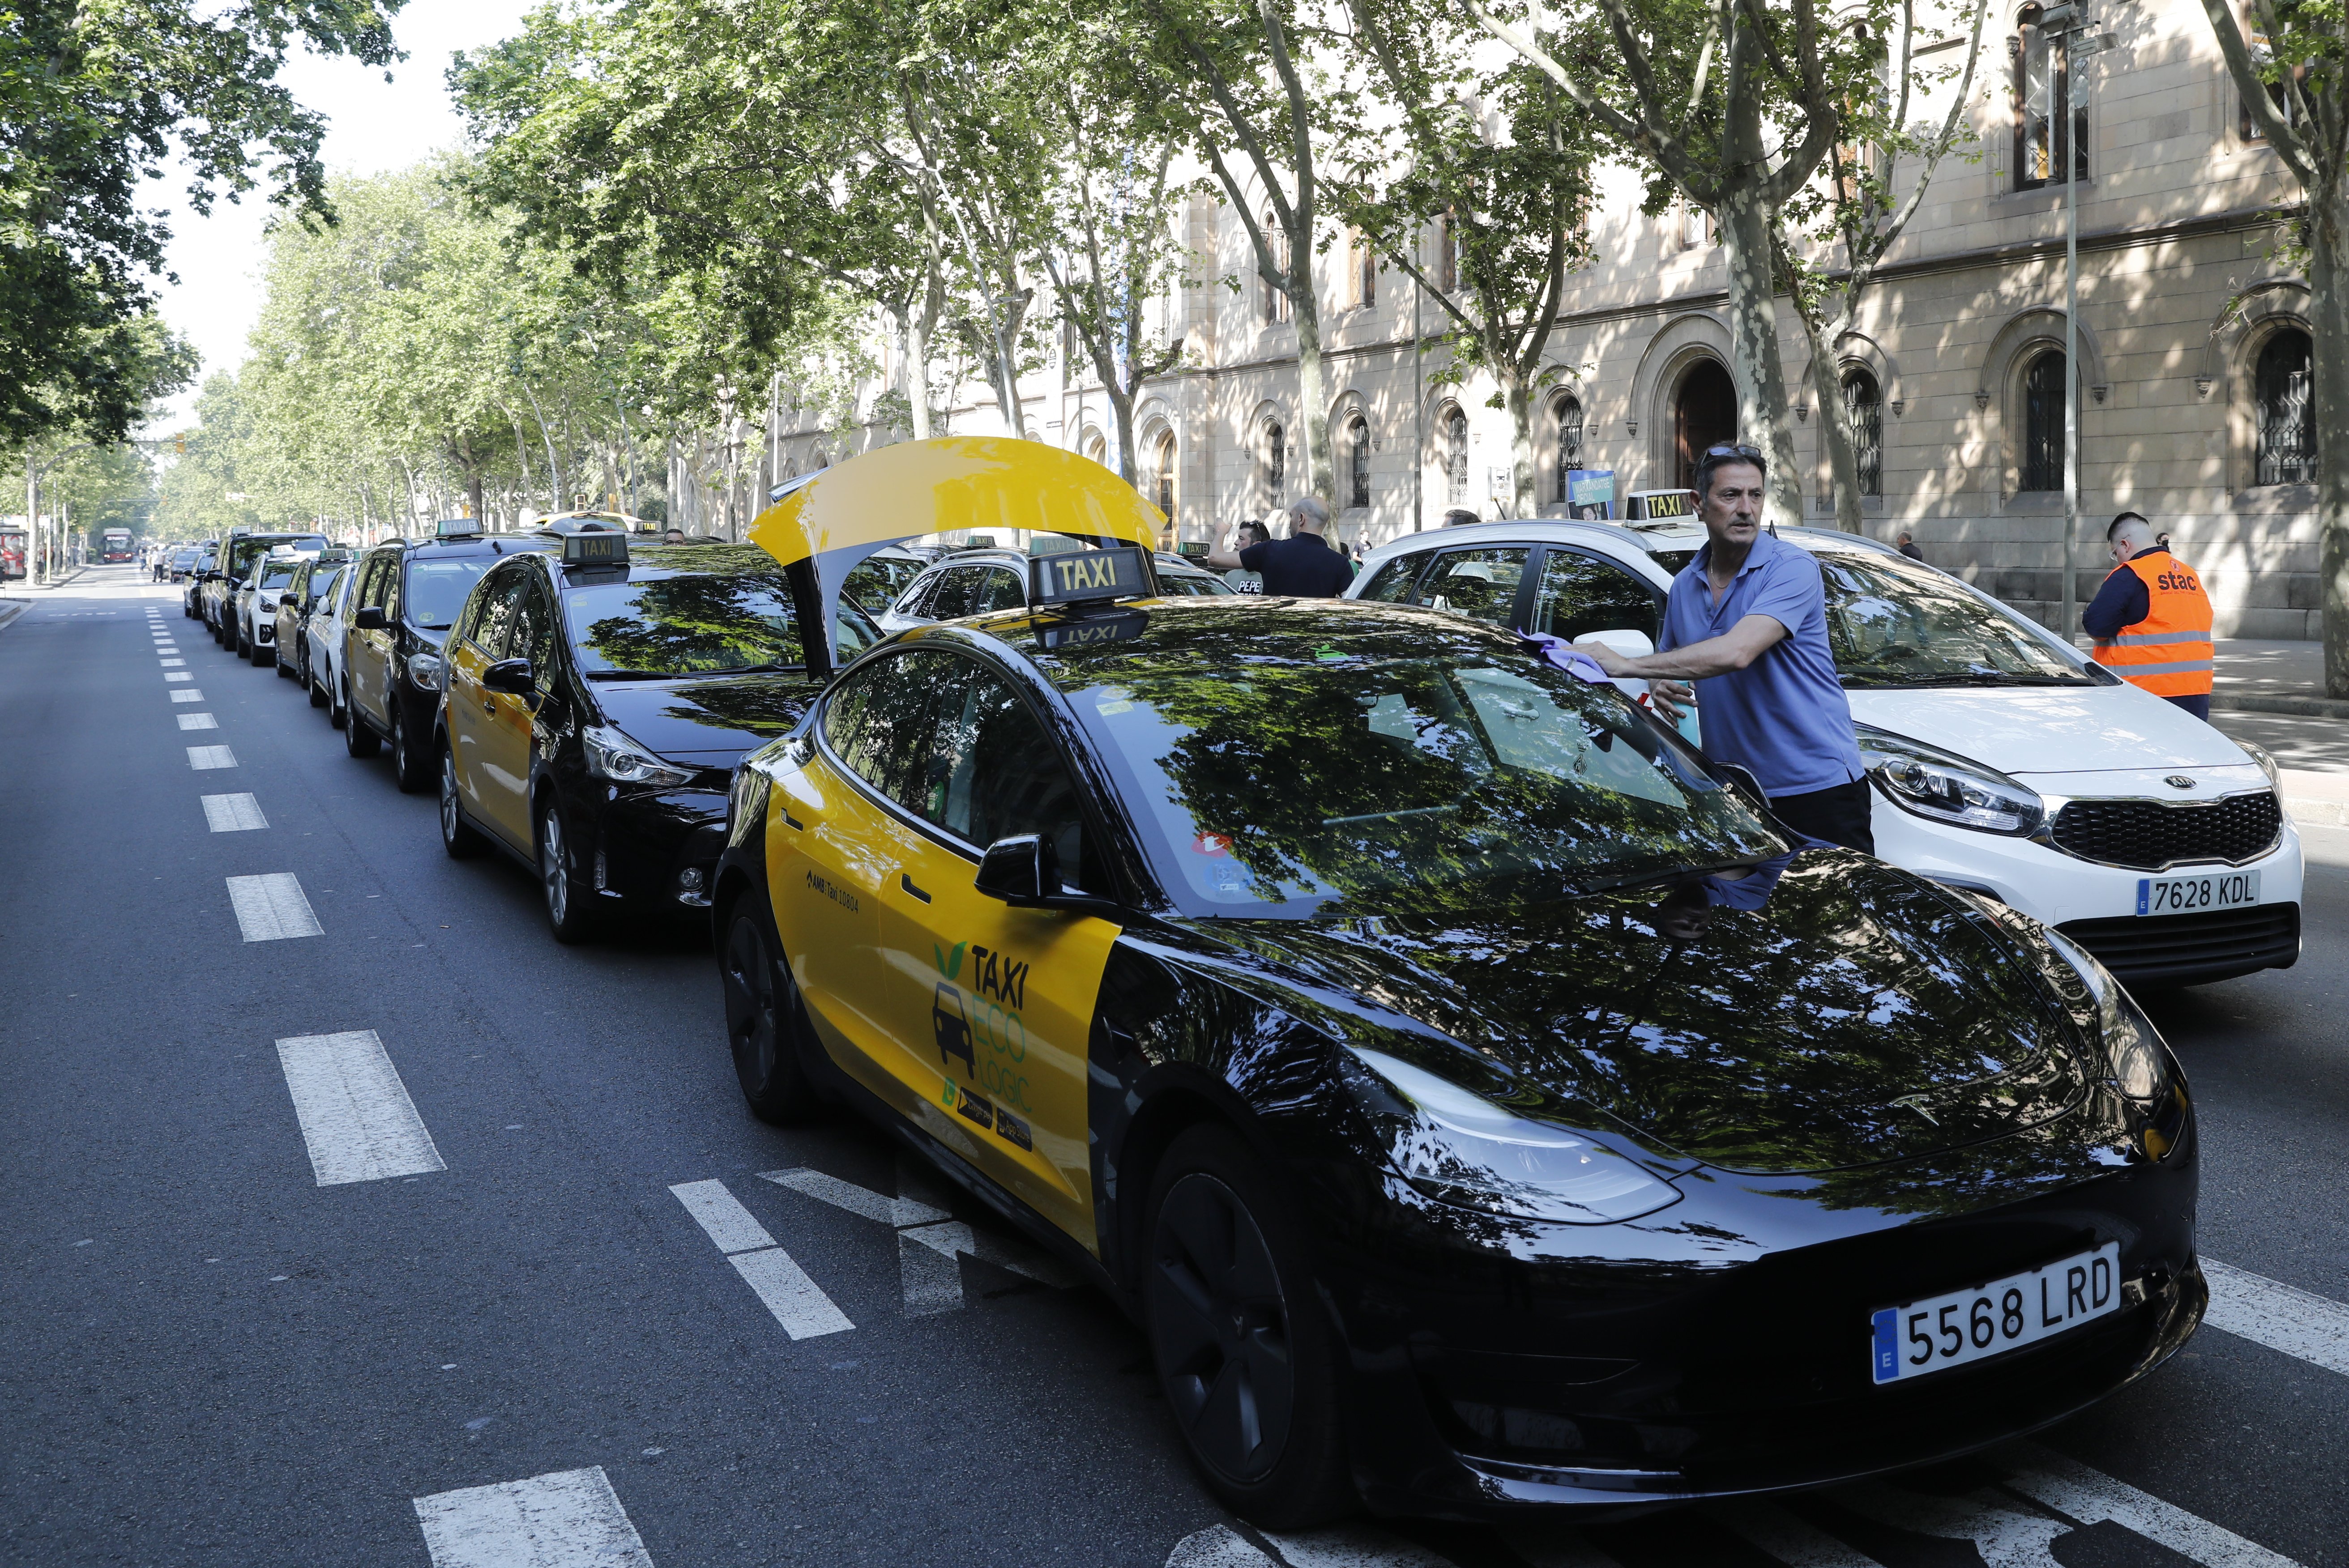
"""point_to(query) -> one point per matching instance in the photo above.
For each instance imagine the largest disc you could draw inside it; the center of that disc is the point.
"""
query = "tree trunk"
(1754, 346)
(1835, 428)
(1321, 478)
(1517, 397)
(2328, 312)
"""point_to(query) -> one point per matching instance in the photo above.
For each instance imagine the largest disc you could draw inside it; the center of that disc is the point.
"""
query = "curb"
(2308, 813)
(2302, 706)
(12, 608)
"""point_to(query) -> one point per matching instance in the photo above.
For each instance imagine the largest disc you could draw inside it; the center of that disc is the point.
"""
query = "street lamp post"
(2068, 24)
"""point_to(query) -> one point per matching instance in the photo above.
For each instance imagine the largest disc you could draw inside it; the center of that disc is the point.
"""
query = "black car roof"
(650, 563)
(1236, 632)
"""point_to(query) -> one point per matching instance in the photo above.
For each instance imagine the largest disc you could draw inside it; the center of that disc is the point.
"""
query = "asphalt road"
(214, 1358)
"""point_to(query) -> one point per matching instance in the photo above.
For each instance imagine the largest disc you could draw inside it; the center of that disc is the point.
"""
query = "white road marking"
(567, 1519)
(2092, 1497)
(182, 675)
(355, 1115)
(271, 908)
(929, 1243)
(1217, 1546)
(2282, 1318)
(1792, 1541)
(797, 1302)
(198, 721)
(233, 813)
(202, 757)
(172, 664)
(782, 1285)
(191, 695)
(1352, 1546)
(721, 1214)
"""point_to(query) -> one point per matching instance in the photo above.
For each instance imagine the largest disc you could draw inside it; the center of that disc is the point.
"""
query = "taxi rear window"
(684, 626)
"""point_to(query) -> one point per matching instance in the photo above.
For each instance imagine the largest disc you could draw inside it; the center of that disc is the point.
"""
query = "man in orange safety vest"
(2151, 620)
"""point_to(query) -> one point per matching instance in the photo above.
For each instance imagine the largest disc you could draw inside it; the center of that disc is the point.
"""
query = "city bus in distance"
(12, 553)
(115, 543)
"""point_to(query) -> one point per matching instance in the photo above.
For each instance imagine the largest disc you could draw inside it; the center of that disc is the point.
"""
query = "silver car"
(981, 582)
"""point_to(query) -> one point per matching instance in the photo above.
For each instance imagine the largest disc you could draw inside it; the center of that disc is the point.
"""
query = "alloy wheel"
(551, 867)
(1220, 1327)
(449, 823)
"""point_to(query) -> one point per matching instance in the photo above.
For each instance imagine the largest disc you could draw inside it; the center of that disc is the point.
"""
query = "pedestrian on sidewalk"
(1747, 622)
(1302, 566)
(1908, 547)
(2151, 620)
(1239, 579)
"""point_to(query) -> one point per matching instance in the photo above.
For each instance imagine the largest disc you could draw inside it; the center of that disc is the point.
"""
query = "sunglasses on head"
(1736, 450)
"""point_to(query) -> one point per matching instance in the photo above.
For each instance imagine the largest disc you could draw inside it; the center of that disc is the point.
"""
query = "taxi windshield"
(437, 589)
(1891, 623)
(276, 574)
(696, 623)
(1391, 762)
(322, 581)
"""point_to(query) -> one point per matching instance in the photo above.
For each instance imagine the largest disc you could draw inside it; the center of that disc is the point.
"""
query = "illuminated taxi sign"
(458, 528)
(1076, 575)
(1663, 503)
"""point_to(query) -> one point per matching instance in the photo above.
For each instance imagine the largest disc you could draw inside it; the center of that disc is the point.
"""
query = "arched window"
(1569, 442)
(1276, 301)
(2043, 423)
(1097, 447)
(1164, 465)
(1456, 459)
(2047, 130)
(1863, 406)
(1275, 461)
(1358, 454)
(2283, 410)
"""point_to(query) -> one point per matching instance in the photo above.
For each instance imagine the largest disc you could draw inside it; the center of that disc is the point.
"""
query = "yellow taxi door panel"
(493, 796)
(464, 706)
(508, 720)
(992, 1009)
(826, 847)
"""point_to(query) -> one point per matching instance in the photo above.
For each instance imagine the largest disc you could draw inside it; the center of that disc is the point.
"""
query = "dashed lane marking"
(198, 721)
(797, 1302)
(191, 695)
(2270, 1312)
(182, 676)
(233, 813)
(201, 757)
(931, 1243)
(172, 664)
(355, 1115)
(566, 1519)
(271, 908)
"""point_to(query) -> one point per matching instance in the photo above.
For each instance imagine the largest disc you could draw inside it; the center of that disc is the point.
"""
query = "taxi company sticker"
(1212, 844)
(976, 1003)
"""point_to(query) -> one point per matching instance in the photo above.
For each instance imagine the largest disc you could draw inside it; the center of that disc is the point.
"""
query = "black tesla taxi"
(1481, 1102)
(598, 700)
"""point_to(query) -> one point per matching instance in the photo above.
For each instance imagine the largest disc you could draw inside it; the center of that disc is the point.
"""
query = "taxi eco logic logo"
(986, 1013)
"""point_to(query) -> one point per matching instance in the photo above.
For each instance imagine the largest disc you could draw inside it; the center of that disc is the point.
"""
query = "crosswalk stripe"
(233, 813)
(191, 695)
(179, 676)
(201, 757)
(356, 1114)
(721, 1214)
(1352, 1546)
(1217, 1546)
(2092, 1497)
(566, 1519)
(1795, 1542)
(197, 721)
(2282, 1318)
(784, 1287)
(271, 908)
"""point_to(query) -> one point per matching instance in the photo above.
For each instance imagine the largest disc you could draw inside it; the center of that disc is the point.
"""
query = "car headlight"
(426, 670)
(270, 605)
(1947, 788)
(1460, 1148)
(2133, 1049)
(611, 755)
(2259, 755)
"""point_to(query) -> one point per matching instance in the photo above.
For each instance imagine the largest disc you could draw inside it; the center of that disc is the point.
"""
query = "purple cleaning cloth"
(1567, 657)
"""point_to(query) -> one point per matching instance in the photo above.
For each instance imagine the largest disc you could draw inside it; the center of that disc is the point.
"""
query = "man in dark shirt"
(1908, 547)
(1303, 565)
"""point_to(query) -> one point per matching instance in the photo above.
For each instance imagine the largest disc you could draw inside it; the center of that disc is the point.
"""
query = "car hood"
(707, 720)
(2051, 729)
(1859, 1015)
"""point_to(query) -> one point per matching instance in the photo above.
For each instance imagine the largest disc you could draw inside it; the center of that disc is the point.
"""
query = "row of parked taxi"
(1455, 1073)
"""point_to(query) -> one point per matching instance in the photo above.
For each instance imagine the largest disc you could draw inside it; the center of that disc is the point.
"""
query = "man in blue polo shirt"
(1747, 622)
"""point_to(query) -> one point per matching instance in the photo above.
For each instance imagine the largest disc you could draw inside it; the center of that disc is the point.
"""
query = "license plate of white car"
(2192, 895)
(1919, 1338)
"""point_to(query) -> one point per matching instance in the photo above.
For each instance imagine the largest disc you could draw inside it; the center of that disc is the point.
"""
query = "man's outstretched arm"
(1733, 650)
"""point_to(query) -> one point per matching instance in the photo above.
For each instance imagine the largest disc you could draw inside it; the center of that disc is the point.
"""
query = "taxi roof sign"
(457, 528)
(835, 519)
(594, 547)
(1077, 576)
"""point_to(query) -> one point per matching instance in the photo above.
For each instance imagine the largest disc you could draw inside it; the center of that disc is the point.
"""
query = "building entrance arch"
(1704, 413)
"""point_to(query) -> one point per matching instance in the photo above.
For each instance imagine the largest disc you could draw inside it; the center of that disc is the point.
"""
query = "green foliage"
(95, 96)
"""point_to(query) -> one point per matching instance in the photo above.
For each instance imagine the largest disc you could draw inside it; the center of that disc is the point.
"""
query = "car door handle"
(907, 884)
(489, 706)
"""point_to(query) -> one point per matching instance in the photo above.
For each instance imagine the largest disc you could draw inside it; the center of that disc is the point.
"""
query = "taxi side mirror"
(370, 619)
(512, 676)
(1024, 872)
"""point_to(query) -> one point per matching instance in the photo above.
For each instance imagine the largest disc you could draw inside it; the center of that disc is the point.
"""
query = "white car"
(981, 582)
(2004, 761)
(330, 679)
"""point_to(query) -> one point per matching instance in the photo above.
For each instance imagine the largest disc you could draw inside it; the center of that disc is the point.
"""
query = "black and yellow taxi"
(406, 595)
(598, 697)
(1484, 1105)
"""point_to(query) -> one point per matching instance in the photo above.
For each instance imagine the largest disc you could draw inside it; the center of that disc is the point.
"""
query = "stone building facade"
(2193, 342)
